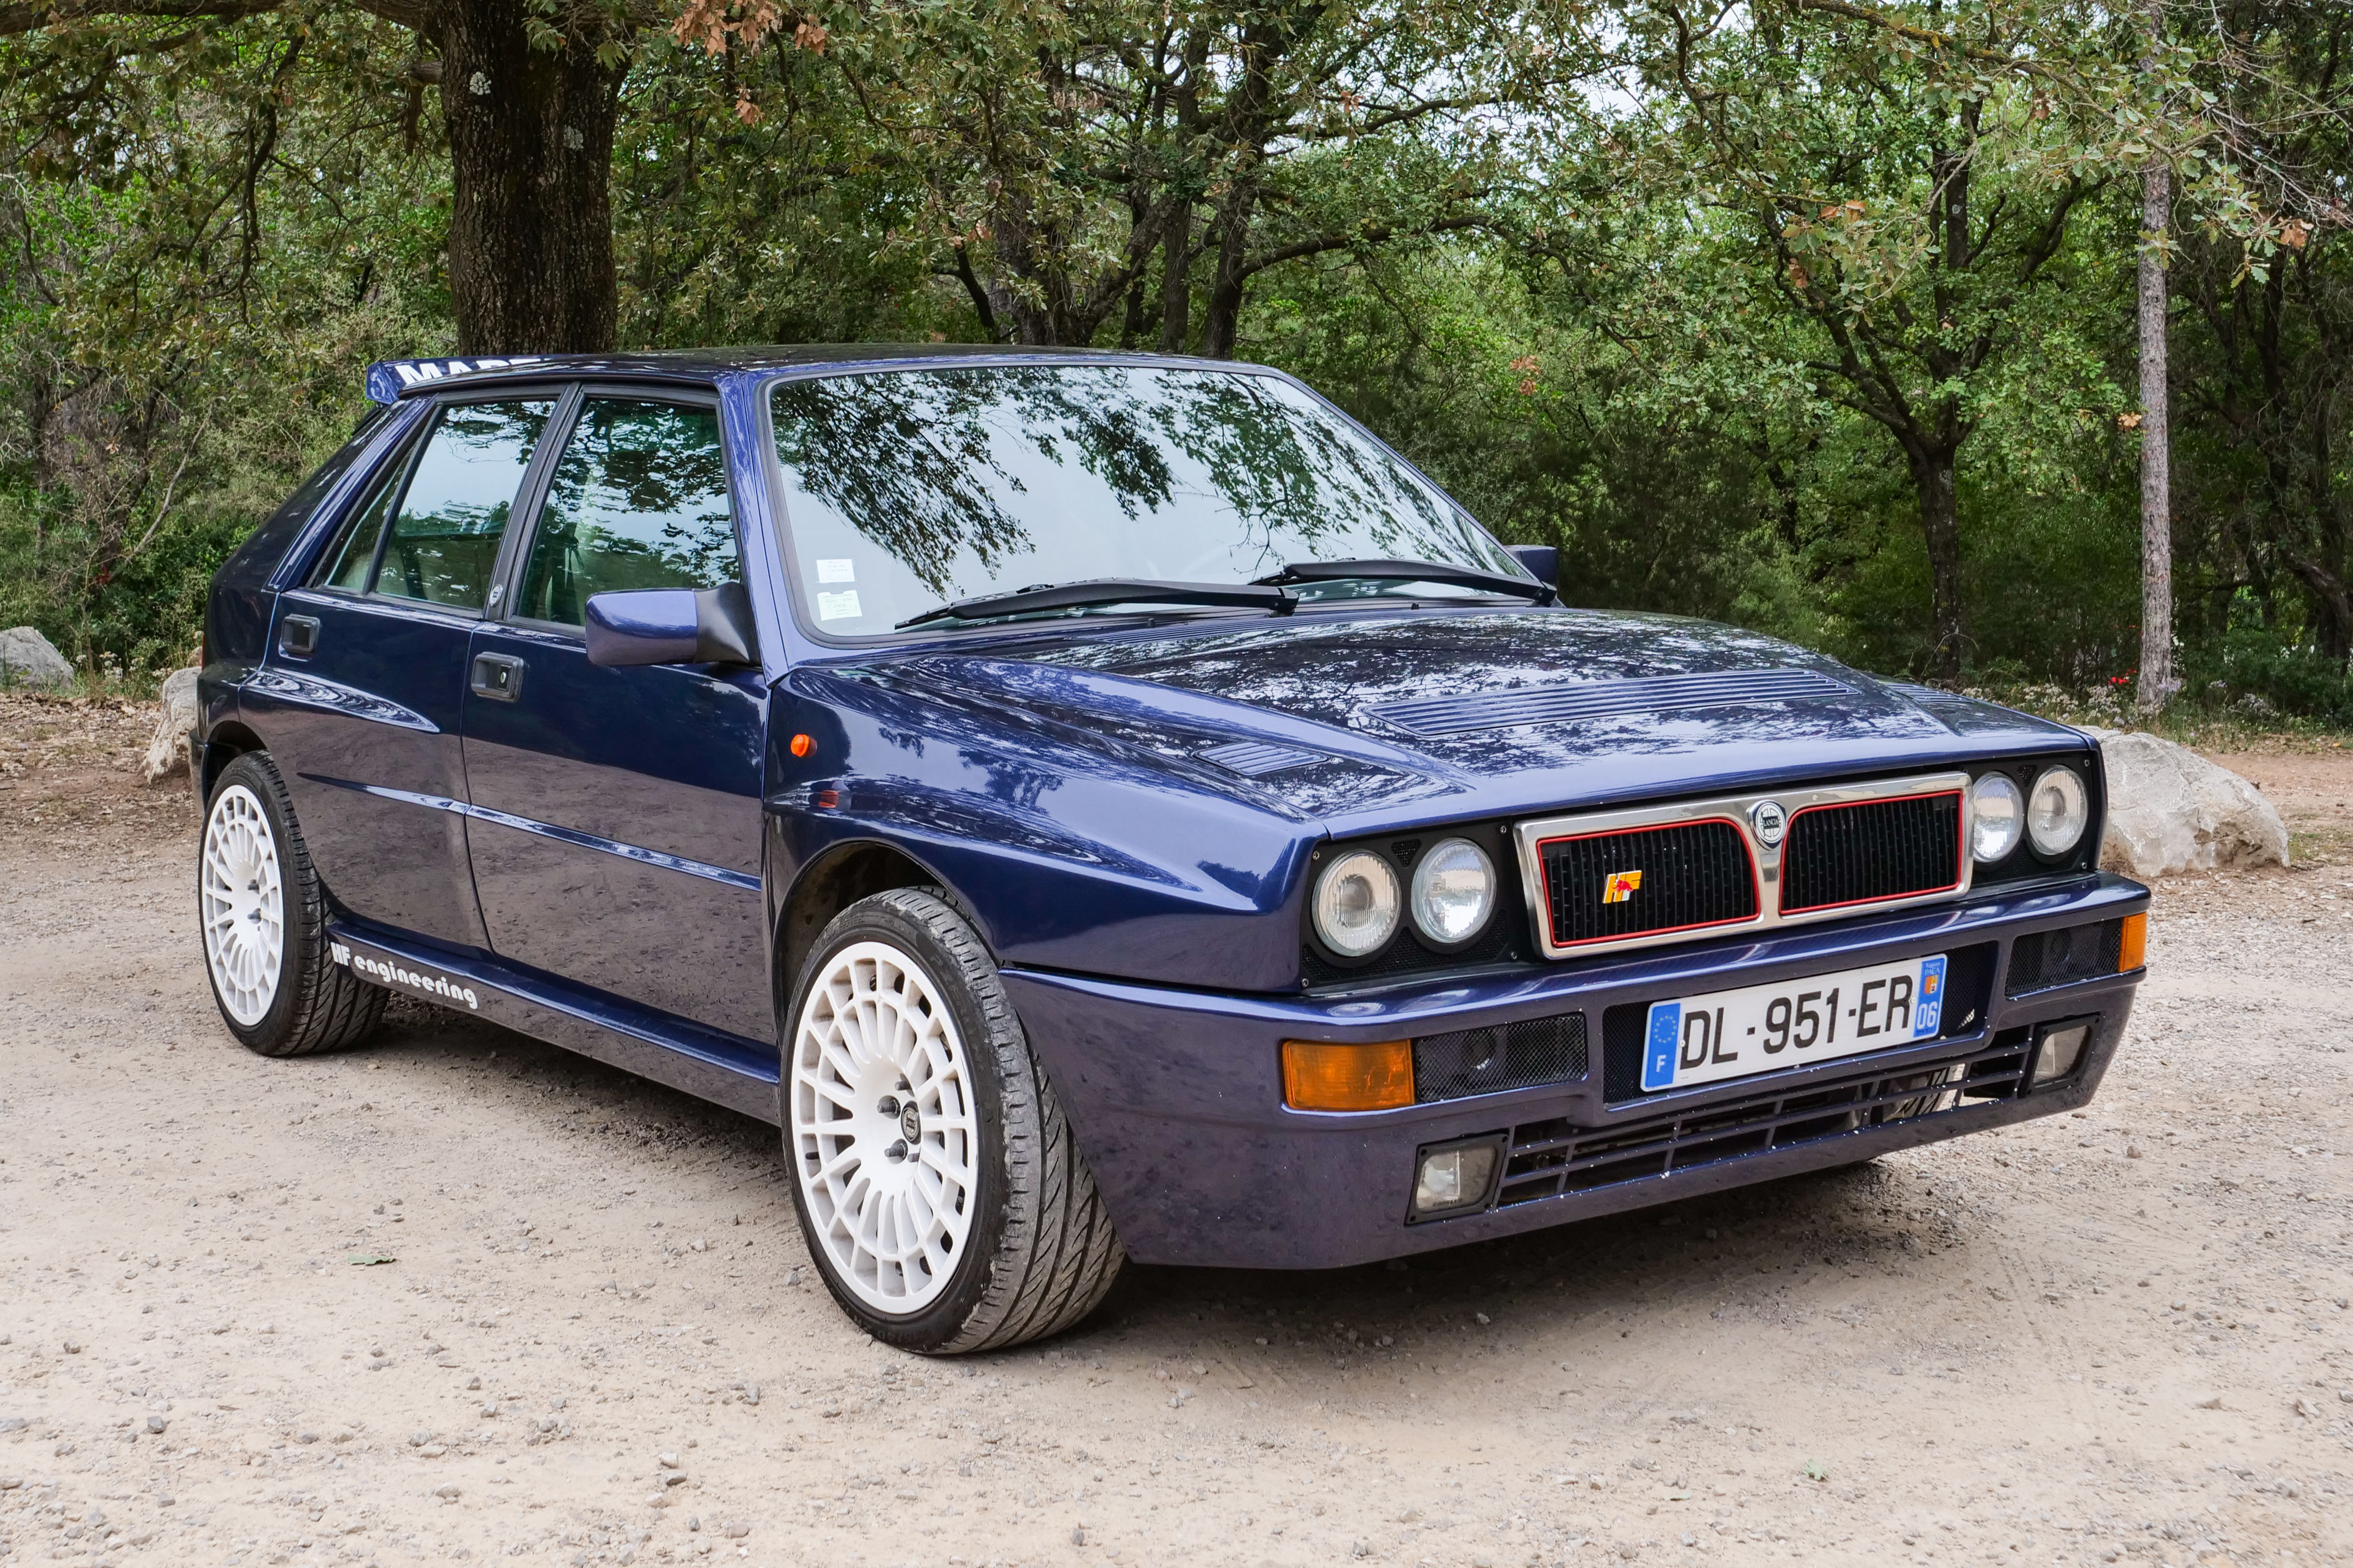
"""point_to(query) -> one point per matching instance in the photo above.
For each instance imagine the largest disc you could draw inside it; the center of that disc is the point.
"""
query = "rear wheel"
(938, 1187)
(263, 917)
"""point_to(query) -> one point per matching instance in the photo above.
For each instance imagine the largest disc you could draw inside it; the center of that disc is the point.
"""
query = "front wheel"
(938, 1187)
(263, 916)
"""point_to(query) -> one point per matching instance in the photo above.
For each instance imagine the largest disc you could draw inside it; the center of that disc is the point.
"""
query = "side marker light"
(1320, 1075)
(2132, 949)
(804, 744)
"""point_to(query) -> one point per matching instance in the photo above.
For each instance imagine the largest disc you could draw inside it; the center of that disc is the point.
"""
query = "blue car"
(1102, 806)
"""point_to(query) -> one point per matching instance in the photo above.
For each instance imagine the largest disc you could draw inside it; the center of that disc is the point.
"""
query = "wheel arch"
(226, 742)
(829, 884)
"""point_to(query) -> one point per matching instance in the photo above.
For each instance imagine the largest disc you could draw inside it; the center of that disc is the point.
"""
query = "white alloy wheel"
(241, 900)
(884, 1139)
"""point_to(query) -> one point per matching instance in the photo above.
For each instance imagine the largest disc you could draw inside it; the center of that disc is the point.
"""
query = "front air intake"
(1871, 851)
(1647, 881)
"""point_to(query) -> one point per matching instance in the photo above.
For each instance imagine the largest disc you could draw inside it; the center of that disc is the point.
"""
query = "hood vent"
(1256, 759)
(1605, 700)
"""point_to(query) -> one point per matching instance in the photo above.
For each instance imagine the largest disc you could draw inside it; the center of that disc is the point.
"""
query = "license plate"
(1758, 1029)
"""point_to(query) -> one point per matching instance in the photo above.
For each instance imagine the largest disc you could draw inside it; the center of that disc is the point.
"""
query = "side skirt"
(723, 1068)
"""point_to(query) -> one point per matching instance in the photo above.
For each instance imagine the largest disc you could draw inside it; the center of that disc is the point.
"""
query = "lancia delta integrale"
(1104, 806)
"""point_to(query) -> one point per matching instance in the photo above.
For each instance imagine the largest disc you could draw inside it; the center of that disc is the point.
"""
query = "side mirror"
(1542, 560)
(672, 626)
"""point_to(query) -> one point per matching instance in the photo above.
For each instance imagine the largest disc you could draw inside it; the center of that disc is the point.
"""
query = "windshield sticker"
(840, 606)
(836, 571)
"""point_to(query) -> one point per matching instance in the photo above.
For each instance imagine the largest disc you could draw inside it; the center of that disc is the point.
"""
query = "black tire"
(1040, 1252)
(317, 1005)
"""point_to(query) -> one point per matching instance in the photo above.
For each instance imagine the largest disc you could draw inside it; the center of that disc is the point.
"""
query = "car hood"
(1383, 716)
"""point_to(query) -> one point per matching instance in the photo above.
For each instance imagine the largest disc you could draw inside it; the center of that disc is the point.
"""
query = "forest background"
(1813, 316)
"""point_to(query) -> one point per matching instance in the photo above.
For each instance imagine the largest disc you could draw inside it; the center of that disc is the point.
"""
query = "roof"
(389, 380)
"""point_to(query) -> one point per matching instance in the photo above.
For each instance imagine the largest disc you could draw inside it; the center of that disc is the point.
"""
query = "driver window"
(639, 500)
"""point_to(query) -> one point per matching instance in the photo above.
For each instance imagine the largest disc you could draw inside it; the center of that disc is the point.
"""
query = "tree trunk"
(1222, 323)
(1932, 477)
(531, 149)
(1176, 282)
(2157, 684)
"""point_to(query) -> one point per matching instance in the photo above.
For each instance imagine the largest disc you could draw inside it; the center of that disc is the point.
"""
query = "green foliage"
(1678, 295)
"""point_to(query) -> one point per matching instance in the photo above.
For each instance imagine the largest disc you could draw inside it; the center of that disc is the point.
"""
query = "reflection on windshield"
(906, 490)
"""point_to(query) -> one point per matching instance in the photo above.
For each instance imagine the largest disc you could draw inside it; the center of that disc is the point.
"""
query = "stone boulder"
(167, 750)
(29, 658)
(2171, 810)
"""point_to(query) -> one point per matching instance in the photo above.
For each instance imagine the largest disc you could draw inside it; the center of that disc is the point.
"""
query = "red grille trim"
(1960, 853)
(1749, 853)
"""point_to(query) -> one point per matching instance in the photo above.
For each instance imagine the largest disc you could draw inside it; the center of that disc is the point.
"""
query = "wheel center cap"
(911, 1122)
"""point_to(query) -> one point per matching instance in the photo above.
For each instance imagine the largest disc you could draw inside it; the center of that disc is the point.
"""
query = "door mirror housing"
(672, 626)
(1542, 560)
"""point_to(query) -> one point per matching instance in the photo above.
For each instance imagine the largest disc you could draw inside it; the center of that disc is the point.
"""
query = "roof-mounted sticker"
(388, 378)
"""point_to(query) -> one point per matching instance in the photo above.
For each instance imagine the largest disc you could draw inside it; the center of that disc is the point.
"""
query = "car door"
(362, 692)
(616, 814)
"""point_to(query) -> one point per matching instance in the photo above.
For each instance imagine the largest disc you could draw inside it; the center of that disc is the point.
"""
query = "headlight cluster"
(2052, 816)
(1359, 903)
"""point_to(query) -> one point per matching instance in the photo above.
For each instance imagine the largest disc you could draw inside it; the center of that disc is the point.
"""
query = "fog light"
(2059, 1049)
(1455, 1176)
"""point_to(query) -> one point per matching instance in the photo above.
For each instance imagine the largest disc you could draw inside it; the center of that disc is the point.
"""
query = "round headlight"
(2057, 811)
(1453, 892)
(1357, 904)
(1997, 816)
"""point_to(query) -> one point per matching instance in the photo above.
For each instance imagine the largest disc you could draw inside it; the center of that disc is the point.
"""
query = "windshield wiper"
(1105, 591)
(1299, 572)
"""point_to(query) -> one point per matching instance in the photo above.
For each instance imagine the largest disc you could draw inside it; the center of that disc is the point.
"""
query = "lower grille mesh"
(1692, 874)
(1510, 1055)
(2039, 960)
(1550, 1158)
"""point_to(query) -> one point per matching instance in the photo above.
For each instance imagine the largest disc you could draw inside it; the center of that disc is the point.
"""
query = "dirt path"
(2118, 1337)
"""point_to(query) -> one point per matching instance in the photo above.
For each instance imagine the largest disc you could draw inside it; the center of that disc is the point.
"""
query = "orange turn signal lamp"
(1320, 1075)
(2132, 950)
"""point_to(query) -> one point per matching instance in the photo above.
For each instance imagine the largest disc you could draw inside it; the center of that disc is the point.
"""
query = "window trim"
(512, 566)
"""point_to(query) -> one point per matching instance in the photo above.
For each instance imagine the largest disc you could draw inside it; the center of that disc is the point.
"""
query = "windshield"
(907, 489)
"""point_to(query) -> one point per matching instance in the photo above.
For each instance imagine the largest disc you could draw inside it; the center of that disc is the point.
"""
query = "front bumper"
(1176, 1096)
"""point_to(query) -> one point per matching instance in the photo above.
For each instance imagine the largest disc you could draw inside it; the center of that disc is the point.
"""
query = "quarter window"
(351, 557)
(444, 539)
(639, 501)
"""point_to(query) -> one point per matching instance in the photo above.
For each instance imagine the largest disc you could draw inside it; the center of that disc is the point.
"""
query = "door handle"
(498, 676)
(298, 636)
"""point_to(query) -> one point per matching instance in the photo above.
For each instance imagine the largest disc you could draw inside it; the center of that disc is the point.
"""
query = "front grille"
(1690, 874)
(1509, 1055)
(1551, 1158)
(1871, 851)
(2041, 959)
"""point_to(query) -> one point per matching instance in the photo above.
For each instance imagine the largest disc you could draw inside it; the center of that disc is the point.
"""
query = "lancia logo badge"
(1769, 821)
(911, 1123)
(1620, 886)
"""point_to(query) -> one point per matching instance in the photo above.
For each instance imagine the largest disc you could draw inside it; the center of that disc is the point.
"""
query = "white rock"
(167, 750)
(29, 658)
(2171, 810)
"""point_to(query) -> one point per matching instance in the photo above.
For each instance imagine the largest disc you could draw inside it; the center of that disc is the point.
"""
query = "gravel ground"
(460, 1295)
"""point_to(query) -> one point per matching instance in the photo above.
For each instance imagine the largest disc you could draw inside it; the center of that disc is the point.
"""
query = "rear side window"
(443, 540)
(639, 500)
(350, 559)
